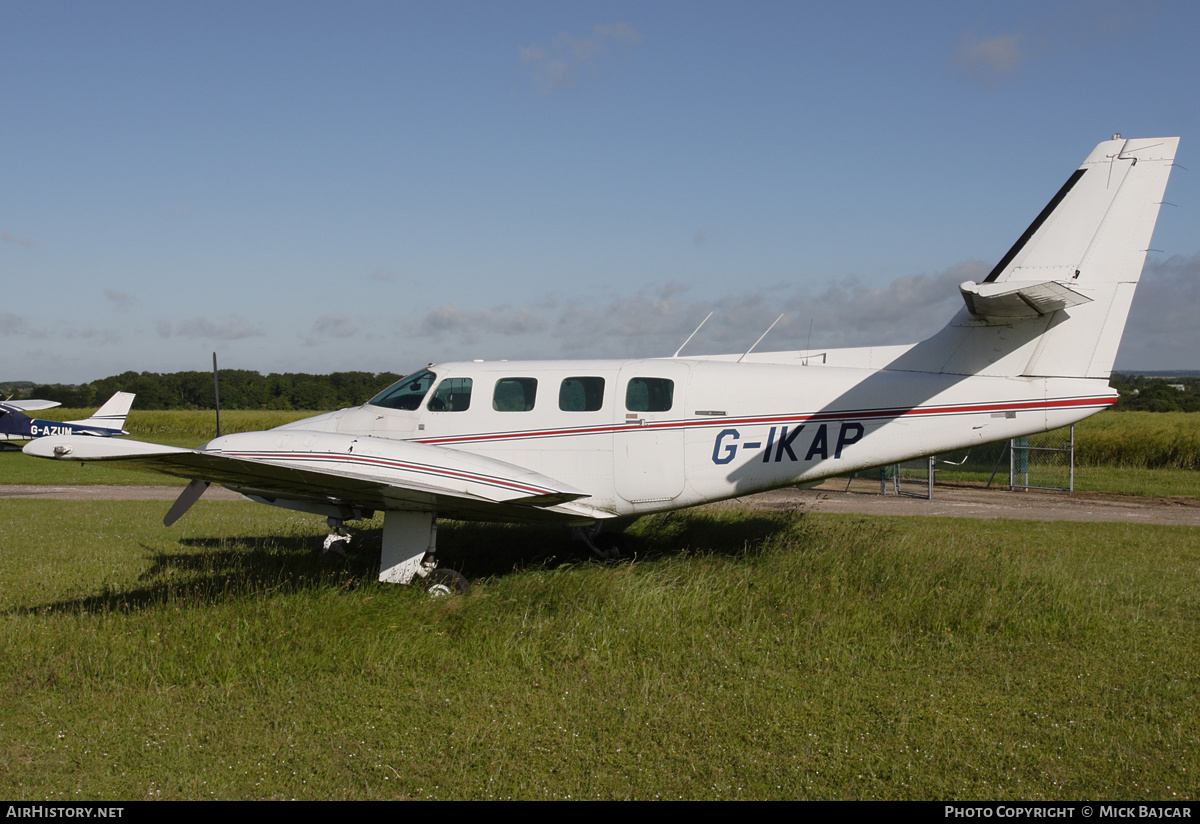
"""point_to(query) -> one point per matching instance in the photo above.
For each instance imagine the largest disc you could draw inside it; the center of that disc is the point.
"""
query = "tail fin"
(1094, 242)
(1056, 304)
(112, 415)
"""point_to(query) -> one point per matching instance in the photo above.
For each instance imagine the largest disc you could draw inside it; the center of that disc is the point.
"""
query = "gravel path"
(973, 502)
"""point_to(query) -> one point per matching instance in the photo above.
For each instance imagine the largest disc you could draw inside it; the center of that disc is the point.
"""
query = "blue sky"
(332, 186)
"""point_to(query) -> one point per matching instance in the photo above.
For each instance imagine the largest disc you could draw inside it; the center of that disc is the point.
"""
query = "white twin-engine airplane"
(585, 442)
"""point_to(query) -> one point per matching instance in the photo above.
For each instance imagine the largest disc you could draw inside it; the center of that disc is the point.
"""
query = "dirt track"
(104, 492)
(952, 502)
(959, 502)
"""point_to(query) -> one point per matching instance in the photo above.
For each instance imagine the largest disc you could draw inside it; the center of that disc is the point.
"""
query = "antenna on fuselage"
(217, 394)
(689, 337)
(760, 337)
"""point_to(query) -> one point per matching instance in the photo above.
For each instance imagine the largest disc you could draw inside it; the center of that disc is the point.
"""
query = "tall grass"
(187, 427)
(1139, 440)
(741, 655)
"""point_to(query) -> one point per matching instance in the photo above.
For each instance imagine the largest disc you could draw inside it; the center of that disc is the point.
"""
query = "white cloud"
(469, 325)
(11, 238)
(560, 66)
(1163, 331)
(986, 59)
(848, 313)
(845, 313)
(331, 326)
(233, 329)
(655, 321)
(121, 300)
(95, 336)
(11, 324)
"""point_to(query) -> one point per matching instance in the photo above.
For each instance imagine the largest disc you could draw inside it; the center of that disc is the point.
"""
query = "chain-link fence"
(1043, 461)
(912, 479)
(915, 478)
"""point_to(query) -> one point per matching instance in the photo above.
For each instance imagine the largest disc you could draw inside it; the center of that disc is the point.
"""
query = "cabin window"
(405, 393)
(581, 394)
(452, 395)
(649, 394)
(514, 394)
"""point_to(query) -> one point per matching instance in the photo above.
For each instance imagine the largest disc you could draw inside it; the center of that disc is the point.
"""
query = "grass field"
(1140, 440)
(1115, 480)
(742, 655)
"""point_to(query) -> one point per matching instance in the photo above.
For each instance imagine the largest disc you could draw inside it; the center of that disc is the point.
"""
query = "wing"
(27, 406)
(344, 471)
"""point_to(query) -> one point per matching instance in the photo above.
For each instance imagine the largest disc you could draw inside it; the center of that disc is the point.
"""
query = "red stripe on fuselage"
(1099, 401)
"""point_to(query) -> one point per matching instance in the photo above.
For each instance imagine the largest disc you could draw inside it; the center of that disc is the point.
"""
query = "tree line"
(243, 389)
(240, 389)
(1143, 393)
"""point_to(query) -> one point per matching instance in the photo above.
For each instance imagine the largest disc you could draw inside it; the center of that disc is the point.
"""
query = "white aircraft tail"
(112, 415)
(1056, 304)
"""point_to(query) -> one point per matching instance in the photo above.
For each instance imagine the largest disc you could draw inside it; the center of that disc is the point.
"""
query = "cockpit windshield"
(405, 393)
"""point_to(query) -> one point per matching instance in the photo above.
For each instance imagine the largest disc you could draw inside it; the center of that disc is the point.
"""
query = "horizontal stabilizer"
(1016, 301)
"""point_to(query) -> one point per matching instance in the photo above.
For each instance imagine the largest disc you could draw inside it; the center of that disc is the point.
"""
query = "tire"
(613, 545)
(443, 583)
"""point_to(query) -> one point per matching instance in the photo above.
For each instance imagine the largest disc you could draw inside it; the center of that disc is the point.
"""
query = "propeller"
(192, 492)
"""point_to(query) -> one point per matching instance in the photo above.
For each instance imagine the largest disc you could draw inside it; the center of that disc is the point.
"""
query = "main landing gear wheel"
(613, 546)
(604, 546)
(339, 536)
(442, 583)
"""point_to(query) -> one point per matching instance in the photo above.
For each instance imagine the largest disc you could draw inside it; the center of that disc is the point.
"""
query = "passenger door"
(648, 456)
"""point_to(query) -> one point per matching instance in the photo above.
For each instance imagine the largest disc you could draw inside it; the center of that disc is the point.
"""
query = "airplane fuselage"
(17, 427)
(666, 433)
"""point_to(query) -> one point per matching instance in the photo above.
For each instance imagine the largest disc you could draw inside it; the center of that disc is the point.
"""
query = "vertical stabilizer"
(112, 415)
(1056, 304)
(1097, 246)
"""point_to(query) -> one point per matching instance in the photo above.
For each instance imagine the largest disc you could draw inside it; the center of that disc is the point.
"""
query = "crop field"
(1124, 453)
(740, 655)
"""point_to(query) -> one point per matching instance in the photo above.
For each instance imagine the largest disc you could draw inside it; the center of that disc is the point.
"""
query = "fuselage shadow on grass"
(480, 550)
(207, 570)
